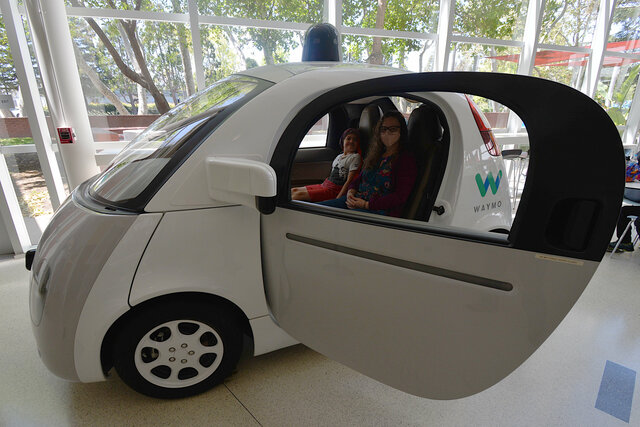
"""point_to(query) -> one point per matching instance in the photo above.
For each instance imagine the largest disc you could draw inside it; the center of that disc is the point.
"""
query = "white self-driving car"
(189, 242)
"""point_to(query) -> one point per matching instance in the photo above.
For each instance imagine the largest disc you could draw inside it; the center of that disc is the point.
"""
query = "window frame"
(283, 198)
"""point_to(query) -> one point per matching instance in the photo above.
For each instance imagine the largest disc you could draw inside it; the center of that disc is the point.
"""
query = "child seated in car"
(344, 169)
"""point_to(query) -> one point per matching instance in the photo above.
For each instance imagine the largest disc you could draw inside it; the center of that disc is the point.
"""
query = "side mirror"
(242, 181)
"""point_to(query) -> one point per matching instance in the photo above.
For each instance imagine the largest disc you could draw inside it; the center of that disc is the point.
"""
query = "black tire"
(168, 329)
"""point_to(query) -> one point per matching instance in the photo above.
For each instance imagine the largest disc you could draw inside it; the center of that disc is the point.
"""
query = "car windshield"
(142, 159)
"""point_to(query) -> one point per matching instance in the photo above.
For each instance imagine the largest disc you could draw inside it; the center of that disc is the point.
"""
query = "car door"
(440, 312)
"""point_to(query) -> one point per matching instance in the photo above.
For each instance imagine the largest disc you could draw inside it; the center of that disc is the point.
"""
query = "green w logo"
(489, 182)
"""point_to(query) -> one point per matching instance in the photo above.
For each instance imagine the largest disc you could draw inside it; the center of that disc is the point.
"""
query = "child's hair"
(377, 147)
(350, 131)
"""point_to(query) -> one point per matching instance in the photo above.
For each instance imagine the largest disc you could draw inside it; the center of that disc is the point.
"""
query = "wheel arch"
(106, 349)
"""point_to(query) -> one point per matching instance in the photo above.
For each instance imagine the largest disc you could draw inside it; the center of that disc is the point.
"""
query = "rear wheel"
(178, 349)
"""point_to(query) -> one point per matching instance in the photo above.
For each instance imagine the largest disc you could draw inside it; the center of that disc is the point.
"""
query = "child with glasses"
(388, 174)
(344, 169)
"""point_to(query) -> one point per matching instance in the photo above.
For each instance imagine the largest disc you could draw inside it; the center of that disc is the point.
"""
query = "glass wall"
(409, 54)
(303, 11)
(401, 15)
(494, 19)
(624, 35)
(485, 58)
(569, 23)
(174, 6)
(563, 67)
(617, 85)
(17, 149)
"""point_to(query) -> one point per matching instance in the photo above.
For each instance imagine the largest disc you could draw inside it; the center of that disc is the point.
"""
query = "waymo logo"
(489, 182)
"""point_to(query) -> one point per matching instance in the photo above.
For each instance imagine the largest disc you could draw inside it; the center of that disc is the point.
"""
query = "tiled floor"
(557, 386)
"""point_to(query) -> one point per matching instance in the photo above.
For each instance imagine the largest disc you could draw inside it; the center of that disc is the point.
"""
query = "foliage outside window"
(563, 67)
(401, 15)
(8, 78)
(616, 88)
(227, 50)
(494, 19)
(144, 51)
(485, 58)
(146, 5)
(410, 54)
(569, 22)
(625, 26)
(274, 45)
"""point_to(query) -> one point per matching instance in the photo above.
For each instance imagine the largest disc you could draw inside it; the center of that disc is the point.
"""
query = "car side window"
(316, 136)
(461, 177)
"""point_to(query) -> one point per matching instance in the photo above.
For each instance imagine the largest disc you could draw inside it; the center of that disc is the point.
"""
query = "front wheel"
(178, 349)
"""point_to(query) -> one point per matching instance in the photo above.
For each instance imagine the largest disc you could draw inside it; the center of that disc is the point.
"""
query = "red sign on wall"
(65, 135)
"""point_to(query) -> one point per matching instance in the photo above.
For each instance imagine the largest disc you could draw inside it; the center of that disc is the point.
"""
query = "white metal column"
(54, 47)
(445, 27)
(530, 36)
(194, 23)
(332, 13)
(11, 213)
(32, 104)
(598, 47)
(527, 61)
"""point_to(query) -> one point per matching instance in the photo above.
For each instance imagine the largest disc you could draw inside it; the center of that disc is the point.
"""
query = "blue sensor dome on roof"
(321, 43)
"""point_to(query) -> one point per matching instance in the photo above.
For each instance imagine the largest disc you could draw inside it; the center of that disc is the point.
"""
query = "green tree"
(274, 44)
(8, 78)
(569, 22)
(626, 18)
(130, 27)
(403, 15)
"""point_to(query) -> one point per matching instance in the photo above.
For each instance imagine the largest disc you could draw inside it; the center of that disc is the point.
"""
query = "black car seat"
(426, 142)
(369, 117)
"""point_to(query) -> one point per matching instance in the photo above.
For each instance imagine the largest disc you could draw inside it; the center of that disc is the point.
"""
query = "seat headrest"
(424, 124)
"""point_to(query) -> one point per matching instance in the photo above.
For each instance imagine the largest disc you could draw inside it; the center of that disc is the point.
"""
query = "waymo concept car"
(189, 241)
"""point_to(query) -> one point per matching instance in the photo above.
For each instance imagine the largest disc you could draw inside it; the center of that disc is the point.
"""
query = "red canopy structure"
(557, 58)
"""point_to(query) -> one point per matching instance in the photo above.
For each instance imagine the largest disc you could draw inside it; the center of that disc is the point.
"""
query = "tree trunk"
(142, 94)
(235, 43)
(427, 43)
(95, 79)
(161, 102)
(143, 78)
(376, 51)
(174, 96)
(268, 53)
(143, 108)
(132, 101)
(184, 51)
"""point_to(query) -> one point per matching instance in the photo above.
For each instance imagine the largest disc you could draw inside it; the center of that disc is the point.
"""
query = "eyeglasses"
(390, 129)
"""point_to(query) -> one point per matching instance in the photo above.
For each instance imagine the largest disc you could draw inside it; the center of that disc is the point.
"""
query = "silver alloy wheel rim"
(181, 359)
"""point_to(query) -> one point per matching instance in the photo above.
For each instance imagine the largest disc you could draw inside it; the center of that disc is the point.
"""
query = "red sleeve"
(405, 172)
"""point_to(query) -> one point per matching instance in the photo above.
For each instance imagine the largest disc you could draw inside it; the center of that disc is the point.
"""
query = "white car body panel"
(187, 188)
(107, 300)
(214, 251)
(186, 241)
